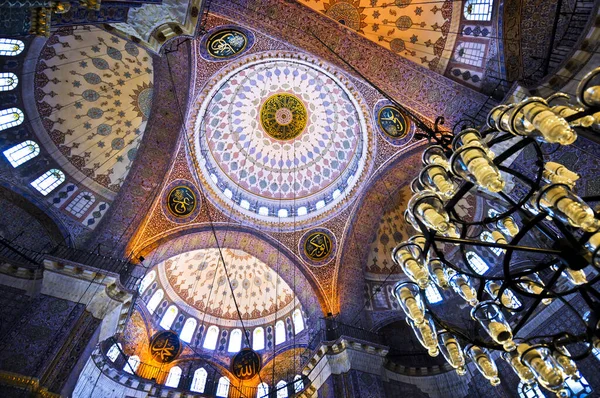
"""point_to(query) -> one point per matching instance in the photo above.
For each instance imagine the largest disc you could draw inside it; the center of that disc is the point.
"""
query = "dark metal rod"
(490, 244)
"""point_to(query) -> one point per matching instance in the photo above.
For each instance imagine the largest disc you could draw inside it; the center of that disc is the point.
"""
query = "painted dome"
(197, 279)
(280, 140)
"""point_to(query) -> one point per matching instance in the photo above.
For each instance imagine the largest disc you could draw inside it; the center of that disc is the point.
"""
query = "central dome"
(283, 139)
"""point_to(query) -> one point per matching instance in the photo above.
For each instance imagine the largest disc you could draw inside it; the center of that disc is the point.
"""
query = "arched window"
(114, 351)
(169, 317)
(22, 152)
(235, 341)
(155, 301)
(132, 364)
(8, 81)
(262, 390)
(298, 384)
(477, 263)
(282, 389)
(298, 321)
(148, 279)
(223, 387)
(486, 236)
(10, 117)
(478, 10)
(492, 212)
(530, 391)
(470, 53)
(433, 294)
(210, 341)
(199, 380)
(48, 181)
(82, 202)
(279, 332)
(11, 47)
(188, 330)
(258, 339)
(578, 388)
(173, 377)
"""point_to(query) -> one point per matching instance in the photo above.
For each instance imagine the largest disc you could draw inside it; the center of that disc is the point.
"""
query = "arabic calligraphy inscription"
(392, 122)
(165, 346)
(283, 116)
(246, 364)
(181, 201)
(318, 246)
(226, 43)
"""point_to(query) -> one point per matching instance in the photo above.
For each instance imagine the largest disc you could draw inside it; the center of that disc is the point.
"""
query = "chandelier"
(544, 219)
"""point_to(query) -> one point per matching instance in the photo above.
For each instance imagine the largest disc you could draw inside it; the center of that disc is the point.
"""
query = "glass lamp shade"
(434, 154)
(461, 284)
(409, 256)
(575, 277)
(568, 366)
(410, 219)
(593, 246)
(438, 273)
(556, 173)
(588, 90)
(484, 363)
(419, 240)
(416, 186)
(508, 299)
(533, 284)
(471, 137)
(490, 317)
(472, 164)
(436, 178)
(452, 351)
(508, 226)
(409, 297)
(542, 364)
(533, 118)
(562, 203)
(499, 118)
(428, 207)
(514, 360)
(426, 334)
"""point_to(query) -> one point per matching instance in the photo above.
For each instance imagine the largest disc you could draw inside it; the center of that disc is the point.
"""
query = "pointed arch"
(262, 391)
(279, 332)
(48, 181)
(282, 391)
(199, 380)
(173, 377)
(189, 327)
(155, 301)
(223, 387)
(20, 153)
(8, 81)
(169, 317)
(146, 281)
(11, 117)
(235, 341)
(212, 335)
(298, 384)
(11, 47)
(258, 339)
(132, 364)
(298, 321)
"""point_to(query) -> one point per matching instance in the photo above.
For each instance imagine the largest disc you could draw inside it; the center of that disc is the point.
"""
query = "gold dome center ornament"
(283, 116)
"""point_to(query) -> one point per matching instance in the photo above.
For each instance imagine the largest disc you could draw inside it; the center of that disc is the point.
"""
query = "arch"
(146, 281)
(477, 263)
(235, 341)
(20, 153)
(8, 81)
(48, 181)
(470, 53)
(279, 332)
(282, 391)
(11, 47)
(155, 301)
(114, 351)
(173, 377)
(169, 317)
(199, 380)
(433, 294)
(11, 117)
(478, 10)
(132, 364)
(82, 202)
(223, 387)
(262, 390)
(298, 321)
(212, 335)
(187, 332)
(298, 384)
(258, 339)
(530, 391)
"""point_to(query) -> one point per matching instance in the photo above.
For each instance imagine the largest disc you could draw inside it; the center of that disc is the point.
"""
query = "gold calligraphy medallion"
(246, 364)
(318, 246)
(181, 201)
(392, 122)
(226, 43)
(165, 346)
(283, 116)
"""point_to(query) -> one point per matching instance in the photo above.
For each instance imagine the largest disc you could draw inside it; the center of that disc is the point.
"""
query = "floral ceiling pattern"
(281, 139)
(94, 95)
(424, 32)
(197, 278)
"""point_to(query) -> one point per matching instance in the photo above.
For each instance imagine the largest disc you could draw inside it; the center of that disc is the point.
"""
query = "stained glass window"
(114, 351)
(298, 321)
(478, 10)
(8, 81)
(173, 377)
(11, 117)
(188, 330)
(578, 388)
(148, 279)
(155, 301)
(223, 387)
(258, 339)
(486, 236)
(530, 391)
(210, 341)
(20, 153)
(282, 389)
(235, 341)
(82, 202)
(11, 47)
(433, 294)
(279, 332)
(132, 364)
(298, 384)
(48, 181)
(470, 53)
(477, 263)
(169, 317)
(199, 380)
(262, 390)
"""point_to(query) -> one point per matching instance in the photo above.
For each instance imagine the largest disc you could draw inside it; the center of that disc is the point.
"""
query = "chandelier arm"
(499, 245)
(544, 294)
(593, 198)
(462, 191)
(500, 138)
(490, 130)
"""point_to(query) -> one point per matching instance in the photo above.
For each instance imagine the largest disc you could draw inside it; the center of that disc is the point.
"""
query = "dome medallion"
(280, 142)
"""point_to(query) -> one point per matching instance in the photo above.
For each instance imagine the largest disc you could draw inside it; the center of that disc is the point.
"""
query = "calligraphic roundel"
(318, 246)
(165, 346)
(246, 364)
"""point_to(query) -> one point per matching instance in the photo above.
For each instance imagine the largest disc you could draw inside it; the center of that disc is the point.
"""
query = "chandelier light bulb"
(452, 352)
(428, 207)
(576, 277)
(471, 137)
(545, 368)
(499, 117)
(562, 203)
(508, 298)
(534, 285)
(426, 334)
(490, 317)
(437, 179)
(435, 155)
(438, 273)
(409, 256)
(561, 171)
(568, 366)
(567, 110)
(484, 363)
(514, 360)
(473, 164)
(593, 246)
(532, 117)
(508, 226)
(462, 286)
(409, 298)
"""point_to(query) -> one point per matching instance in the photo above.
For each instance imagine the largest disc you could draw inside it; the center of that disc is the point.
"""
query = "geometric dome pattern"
(297, 178)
